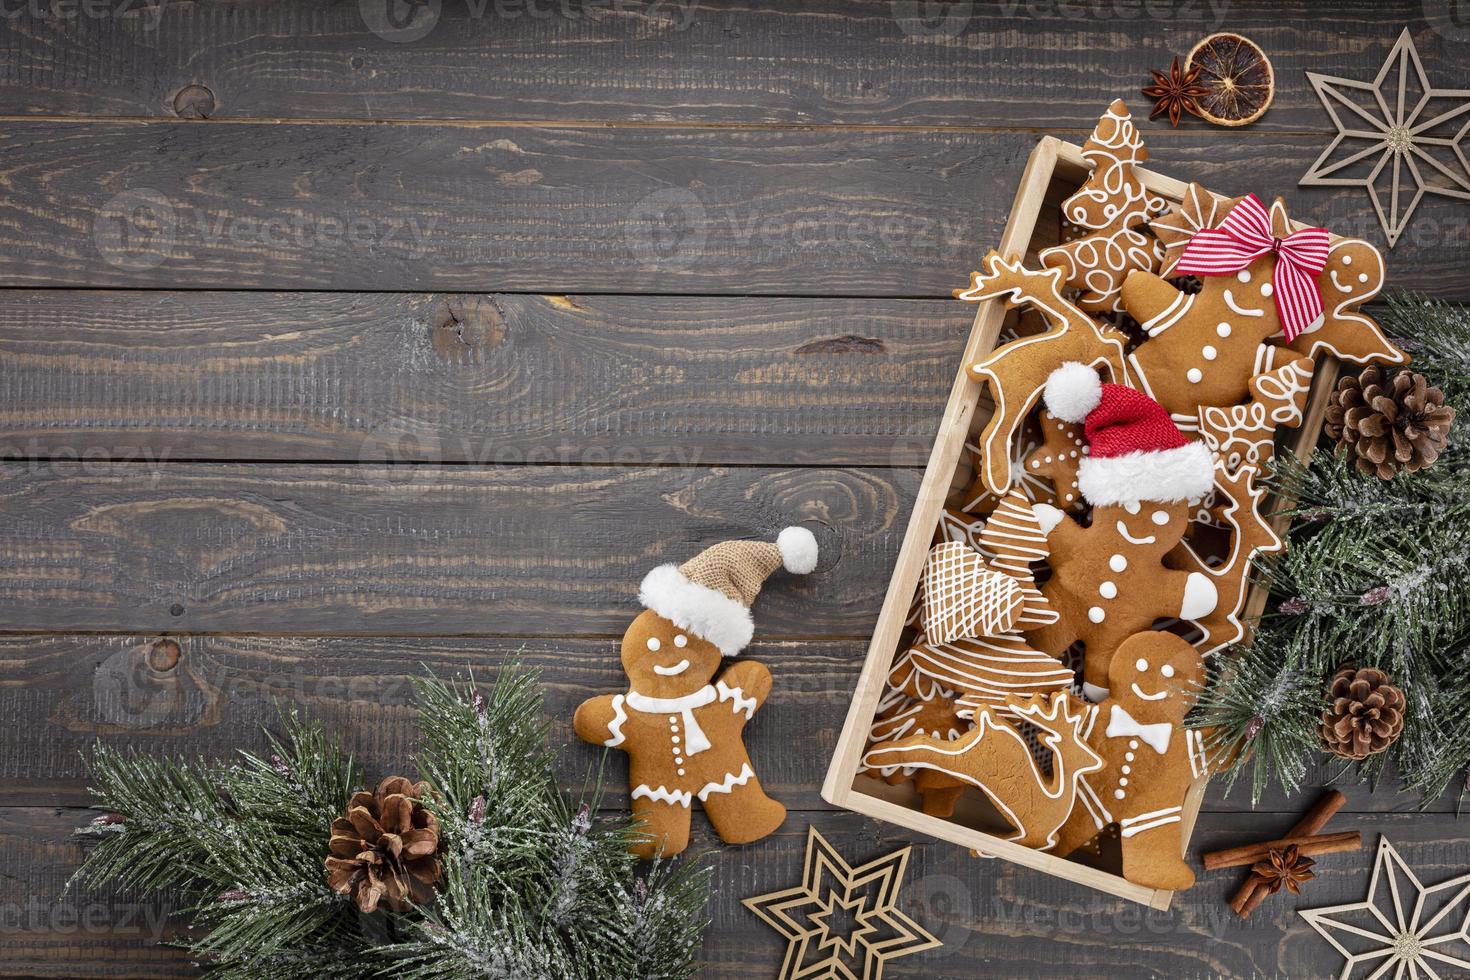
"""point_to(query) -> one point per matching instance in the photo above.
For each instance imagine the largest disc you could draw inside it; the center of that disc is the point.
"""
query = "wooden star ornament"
(1395, 129)
(1402, 929)
(833, 891)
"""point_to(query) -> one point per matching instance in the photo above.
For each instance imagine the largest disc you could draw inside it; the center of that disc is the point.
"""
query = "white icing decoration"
(1266, 289)
(680, 797)
(1209, 353)
(1195, 375)
(1096, 614)
(673, 671)
(1117, 563)
(1200, 597)
(1244, 275)
(1223, 330)
(615, 727)
(1159, 517)
(1108, 590)
(1140, 665)
(1123, 530)
(1237, 309)
(727, 784)
(1167, 670)
(739, 701)
(653, 643)
(1122, 725)
(681, 641)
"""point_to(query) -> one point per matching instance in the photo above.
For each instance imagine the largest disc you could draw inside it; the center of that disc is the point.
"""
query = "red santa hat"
(1135, 451)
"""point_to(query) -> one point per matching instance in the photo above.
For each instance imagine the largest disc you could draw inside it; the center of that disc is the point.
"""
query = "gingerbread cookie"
(1250, 535)
(1245, 435)
(1150, 760)
(995, 758)
(1204, 347)
(681, 726)
(963, 597)
(1062, 450)
(979, 499)
(1104, 216)
(1015, 372)
(899, 717)
(1141, 475)
(980, 672)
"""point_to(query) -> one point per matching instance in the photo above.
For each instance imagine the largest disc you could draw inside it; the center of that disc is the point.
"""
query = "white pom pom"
(1072, 391)
(798, 549)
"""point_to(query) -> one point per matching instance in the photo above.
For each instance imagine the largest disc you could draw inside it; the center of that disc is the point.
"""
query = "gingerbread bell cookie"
(681, 721)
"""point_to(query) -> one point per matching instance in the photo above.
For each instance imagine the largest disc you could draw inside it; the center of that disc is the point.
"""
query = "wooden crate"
(1053, 172)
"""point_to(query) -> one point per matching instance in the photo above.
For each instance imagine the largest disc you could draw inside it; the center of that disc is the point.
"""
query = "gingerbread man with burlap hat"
(682, 728)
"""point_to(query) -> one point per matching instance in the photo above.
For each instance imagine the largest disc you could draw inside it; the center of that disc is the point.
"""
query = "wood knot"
(850, 344)
(163, 655)
(463, 328)
(194, 102)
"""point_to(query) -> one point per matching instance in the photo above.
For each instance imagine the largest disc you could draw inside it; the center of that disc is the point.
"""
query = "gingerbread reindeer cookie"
(681, 726)
(1016, 371)
(1150, 760)
(1141, 476)
(995, 758)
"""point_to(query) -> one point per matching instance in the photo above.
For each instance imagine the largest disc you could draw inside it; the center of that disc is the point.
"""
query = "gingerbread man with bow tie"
(1150, 760)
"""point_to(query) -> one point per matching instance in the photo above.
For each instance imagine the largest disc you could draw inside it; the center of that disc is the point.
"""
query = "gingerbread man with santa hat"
(1142, 477)
(683, 728)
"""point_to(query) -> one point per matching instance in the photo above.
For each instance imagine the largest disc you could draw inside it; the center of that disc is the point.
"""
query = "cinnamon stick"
(1309, 846)
(1245, 900)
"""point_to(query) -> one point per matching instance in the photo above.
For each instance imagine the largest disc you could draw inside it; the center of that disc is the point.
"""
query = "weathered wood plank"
(473, 378)
(210, 695)
(1031, 64)
(540, 550)
(557, 210)
(995, 920)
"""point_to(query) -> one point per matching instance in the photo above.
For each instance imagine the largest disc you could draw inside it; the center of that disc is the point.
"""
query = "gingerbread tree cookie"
(1107, 212)
(1141, 475)
(1150, 760)
(681, 726)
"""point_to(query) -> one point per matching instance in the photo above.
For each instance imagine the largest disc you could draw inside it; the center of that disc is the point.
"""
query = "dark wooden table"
(618, 281)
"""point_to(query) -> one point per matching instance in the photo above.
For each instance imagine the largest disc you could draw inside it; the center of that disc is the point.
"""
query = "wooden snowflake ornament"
(1402, 929)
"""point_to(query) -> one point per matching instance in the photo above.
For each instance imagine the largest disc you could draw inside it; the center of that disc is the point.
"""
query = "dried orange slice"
(1238, 77)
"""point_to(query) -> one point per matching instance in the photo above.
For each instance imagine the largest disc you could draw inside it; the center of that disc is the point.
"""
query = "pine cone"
(1364, 715)
(384, 848)
(1385, 425)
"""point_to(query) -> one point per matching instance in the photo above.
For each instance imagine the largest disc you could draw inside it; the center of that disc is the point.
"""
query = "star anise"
(1284, 866)
(1175, 93)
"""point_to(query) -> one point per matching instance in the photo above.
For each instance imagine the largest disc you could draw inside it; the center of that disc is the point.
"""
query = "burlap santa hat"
(710, 595)
(1135, 452)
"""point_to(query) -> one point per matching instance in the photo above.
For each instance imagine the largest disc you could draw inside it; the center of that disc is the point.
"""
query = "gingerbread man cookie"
(996, 758)
(1241, 310)
(1107, 212)
(1141, 475)
(1062, 450)
(1150, 760)
(681, 726)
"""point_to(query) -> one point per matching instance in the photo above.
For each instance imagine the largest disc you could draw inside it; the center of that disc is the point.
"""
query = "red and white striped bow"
(1244, 236)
